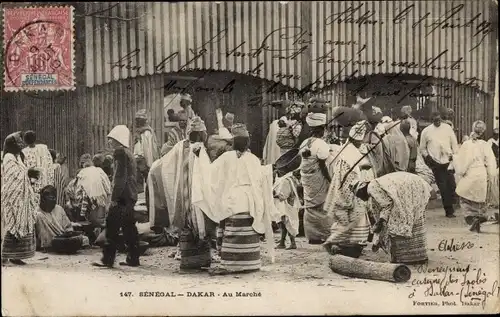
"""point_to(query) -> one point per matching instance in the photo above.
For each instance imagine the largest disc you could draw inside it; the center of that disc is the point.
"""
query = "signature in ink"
(449, 20)
(127, 61)
(347, 17)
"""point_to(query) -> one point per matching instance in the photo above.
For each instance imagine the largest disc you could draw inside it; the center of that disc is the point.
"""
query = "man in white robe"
(242, 197)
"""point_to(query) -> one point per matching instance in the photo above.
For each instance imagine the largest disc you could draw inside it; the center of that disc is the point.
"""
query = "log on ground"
(369, 270)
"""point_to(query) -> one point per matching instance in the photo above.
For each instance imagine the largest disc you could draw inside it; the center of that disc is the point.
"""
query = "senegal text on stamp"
(39, 48)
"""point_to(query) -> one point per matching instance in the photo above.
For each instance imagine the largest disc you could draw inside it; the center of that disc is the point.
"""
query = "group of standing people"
(373, 186)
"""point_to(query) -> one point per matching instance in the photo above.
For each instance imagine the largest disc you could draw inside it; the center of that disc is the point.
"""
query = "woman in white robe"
(475, 166)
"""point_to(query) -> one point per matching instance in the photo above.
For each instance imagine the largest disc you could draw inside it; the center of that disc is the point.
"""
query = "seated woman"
(51, 221)
(398, 202)
(88, 194)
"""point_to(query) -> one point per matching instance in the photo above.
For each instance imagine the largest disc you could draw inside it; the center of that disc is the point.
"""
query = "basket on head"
(289, 161)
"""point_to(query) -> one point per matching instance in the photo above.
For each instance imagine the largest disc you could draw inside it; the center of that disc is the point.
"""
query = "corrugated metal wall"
(401, 32)
(140, 36)
(210, 30)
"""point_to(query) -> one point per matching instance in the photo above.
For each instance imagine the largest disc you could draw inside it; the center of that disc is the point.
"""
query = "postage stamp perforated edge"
(71, 87)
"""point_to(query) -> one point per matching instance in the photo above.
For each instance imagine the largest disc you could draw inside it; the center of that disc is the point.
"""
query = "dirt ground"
(299, 282)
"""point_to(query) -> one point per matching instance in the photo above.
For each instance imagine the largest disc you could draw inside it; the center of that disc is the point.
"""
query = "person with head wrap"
(51, 220)
(19, 203)
(176, 134)
(289, 128)
(474, 166)
(406, 116)
(315, 178)
(123, 199)
(61, 178)
(38, 156)
(438, 143)
(184, 176)
(397, 204)
(350, 226)
(271, 150)
(146, 149)
(186, 103)
(242, 199)
(90, 193)
(222, 141)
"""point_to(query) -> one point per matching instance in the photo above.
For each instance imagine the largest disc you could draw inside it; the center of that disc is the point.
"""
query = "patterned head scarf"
(316, 119)
(86, 160)
(406, 110)
(141, 114)
(240, 130)
(186, 97)
(358, 131)
(295, 107)
(197, 125)
(478, 129)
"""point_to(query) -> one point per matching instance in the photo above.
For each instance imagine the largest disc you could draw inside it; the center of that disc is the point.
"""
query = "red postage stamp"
(39, 48)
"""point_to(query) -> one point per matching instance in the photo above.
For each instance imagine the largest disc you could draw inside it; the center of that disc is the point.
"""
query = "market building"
(240, 56)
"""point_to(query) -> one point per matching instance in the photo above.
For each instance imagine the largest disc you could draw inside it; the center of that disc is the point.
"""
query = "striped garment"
(240, 244)
(39, 157)
(411, 250)
(174, 136)
(61, 180)
(18, 210)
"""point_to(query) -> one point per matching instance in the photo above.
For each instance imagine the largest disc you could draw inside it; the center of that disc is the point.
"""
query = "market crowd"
(361, 178)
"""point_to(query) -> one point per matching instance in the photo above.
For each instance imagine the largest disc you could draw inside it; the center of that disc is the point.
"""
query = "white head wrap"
(358, 131)
(316, 119)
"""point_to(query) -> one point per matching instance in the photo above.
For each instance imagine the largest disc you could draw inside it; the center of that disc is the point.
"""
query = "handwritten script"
(452, 286)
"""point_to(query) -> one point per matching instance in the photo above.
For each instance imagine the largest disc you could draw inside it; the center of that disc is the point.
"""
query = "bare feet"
(292, 247)
(280, 246)
(18, 262)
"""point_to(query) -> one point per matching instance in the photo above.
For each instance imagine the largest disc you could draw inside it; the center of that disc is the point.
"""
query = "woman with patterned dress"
(397, 203)
(475, 166)
(351, 227)
(38, 156)
(315, 178)
(19, 204)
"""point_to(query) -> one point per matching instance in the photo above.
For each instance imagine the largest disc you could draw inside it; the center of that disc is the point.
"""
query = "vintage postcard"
(246, 158)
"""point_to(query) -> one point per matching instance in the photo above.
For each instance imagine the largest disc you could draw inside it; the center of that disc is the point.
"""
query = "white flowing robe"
(171, 166)
(286, 188)
(474, 164)
(244, 185)
(39, 157)
(147, 147)
(271, 149)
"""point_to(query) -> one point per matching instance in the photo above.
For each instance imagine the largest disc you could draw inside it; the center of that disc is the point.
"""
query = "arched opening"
(245, 96)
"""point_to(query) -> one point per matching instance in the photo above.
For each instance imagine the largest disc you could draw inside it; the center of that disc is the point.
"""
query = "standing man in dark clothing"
(123, 199)
(438, 143)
